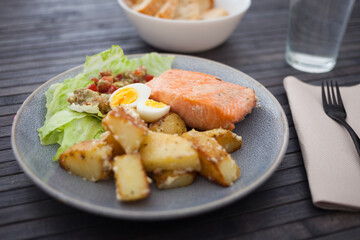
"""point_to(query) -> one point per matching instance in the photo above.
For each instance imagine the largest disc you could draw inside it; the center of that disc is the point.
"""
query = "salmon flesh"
(203, 101)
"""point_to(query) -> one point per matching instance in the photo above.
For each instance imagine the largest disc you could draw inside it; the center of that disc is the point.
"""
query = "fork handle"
(352, 133)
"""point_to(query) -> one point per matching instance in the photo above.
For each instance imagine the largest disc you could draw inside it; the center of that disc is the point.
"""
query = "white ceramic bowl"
(188, 35)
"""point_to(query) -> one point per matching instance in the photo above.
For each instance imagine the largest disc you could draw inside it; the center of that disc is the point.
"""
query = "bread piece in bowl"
(149, 7)
(214, 13)
(187, 10)
(168, 9)
(205, 5)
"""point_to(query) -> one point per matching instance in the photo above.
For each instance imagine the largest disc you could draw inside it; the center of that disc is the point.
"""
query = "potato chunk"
(226, 138)
(216, 164)
(173, 179)
(131, 179)
(108, 138)
(170, 123)
(88, 159)
(126, 127)
(161, 151)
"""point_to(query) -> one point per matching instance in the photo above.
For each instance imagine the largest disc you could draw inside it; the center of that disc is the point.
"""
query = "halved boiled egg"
(129, 95)
(150, 110)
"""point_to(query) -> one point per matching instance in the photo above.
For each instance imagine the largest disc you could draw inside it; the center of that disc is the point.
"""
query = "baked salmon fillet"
(203, 101)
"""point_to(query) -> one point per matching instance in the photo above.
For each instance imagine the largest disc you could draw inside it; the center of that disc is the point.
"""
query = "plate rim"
(151, 215)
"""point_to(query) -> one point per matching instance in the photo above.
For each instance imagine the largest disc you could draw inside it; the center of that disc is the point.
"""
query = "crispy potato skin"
(126, 127)
(170, 123)
(109, 139)
(172, 155)
(216, 164)
(88, 159)
(226, 138)
(131, 179)
(173, 179)
(161, 151)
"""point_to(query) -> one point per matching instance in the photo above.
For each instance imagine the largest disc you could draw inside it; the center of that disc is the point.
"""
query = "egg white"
(150, 114)
(143, 90)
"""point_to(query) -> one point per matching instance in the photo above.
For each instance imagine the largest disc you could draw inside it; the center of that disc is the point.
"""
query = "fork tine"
(340, 102)
(323, 95)
(328, 93)
(335, 101)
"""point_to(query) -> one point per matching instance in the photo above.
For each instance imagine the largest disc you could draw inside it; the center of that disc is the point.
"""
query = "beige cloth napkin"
(331, 160)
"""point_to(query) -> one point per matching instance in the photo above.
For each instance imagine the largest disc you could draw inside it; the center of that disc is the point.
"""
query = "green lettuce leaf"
(67, 127)
(154, 63)
(115, 60)
(57, 95)
(79, 130)
(49, 132)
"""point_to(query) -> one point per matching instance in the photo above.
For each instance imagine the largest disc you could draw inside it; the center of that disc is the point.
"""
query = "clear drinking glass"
(315, 31)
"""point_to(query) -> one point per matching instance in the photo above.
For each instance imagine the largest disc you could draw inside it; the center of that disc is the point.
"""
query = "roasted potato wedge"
(173, 179)
(170, 123)
(126, 127)
(88, 159)
(216, 164)
(161, 151)
(131, 179)
(226, 138)
(108, 138)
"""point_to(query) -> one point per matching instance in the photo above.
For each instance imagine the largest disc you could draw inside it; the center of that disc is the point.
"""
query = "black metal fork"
(335, 109)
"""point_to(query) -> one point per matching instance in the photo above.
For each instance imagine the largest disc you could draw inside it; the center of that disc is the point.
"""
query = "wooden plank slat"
(5, 143)
(347, 234)
(14, 181)
(6, 120)
(6, 155)
(5, 131)
(9, 168)
(290, 161)
(285, 177)
(312, 227)
(18, 90)
(47, 226)
(9, 110)
(20, 196)
(11, 100)
(212, 228)
(39, 209)
(249, 222)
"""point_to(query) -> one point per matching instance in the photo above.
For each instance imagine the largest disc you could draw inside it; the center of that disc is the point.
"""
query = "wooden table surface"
(42, 38)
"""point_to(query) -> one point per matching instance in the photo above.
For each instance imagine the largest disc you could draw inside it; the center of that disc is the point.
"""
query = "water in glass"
(316, 28)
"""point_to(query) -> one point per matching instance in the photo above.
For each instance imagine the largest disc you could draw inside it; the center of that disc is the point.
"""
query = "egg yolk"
(125, 96)
(154, 104)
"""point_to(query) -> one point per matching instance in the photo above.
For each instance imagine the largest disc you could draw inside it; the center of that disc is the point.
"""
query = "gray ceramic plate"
(265, 138)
